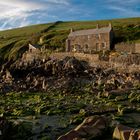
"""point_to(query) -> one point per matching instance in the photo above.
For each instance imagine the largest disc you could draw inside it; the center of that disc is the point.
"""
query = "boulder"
(122, 132)
(72, 135)
(71, 63)
(135, 135)
(91, 127)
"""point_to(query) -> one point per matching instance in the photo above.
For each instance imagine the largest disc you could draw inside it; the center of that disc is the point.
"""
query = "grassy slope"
(13, 42)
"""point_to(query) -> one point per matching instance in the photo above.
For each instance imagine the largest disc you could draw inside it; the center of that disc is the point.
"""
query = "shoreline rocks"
(92, 127)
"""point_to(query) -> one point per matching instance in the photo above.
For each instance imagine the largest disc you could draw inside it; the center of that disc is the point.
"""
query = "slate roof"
(34, 46)
(90, 31)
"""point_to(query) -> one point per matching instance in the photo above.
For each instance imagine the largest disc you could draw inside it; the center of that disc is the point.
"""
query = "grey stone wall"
(137, 47)
(125, 47)
(130, 59)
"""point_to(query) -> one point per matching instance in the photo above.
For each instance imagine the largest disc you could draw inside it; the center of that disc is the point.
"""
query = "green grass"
(13, 42)
(24, 31)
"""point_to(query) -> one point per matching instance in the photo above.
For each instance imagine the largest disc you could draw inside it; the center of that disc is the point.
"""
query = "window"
(97, 36)
(72, 47)
(97, 47)
(76, 48)
(86, 48)
(103, 45)
(30, 50)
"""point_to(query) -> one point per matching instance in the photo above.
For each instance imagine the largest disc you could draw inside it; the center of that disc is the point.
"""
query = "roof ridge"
(90, 31)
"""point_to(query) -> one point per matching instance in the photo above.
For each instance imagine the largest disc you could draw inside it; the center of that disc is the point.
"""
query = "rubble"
(36, 76)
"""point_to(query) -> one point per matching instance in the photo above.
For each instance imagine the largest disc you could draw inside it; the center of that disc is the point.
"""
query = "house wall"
(31, 54)
(88, 43)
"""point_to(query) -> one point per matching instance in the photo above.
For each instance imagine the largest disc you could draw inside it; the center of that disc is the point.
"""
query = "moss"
(121, 98)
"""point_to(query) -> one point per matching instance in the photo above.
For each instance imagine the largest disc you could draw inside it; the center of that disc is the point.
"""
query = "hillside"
(69, 96)
(53, 35)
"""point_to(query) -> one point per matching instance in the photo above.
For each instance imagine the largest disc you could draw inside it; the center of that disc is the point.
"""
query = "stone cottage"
(91, 40)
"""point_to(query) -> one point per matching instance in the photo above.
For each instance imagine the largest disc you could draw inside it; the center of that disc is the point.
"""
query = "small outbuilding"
(33, 53)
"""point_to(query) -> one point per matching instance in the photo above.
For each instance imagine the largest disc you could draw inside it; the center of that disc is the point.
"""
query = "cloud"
(18, 13)
(124, 7)
(15, 13)
(125, 11)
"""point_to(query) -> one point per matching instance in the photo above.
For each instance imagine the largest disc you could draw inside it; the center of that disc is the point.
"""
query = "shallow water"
(49, 126)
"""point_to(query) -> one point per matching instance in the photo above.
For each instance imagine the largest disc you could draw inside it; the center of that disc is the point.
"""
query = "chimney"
(110, 25)
(71, 30)
(97, 26)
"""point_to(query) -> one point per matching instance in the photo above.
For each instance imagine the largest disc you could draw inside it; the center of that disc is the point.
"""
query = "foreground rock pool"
(46, 116)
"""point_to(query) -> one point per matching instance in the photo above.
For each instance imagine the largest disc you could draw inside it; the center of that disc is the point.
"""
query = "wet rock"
(135, 135)
(70, 136)
(122, 132)
(3, 128)
(91, 127)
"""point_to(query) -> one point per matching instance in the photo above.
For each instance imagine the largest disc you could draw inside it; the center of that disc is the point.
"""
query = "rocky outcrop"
(92, 127)
(122, 132)
(66, 74)
(97, 127)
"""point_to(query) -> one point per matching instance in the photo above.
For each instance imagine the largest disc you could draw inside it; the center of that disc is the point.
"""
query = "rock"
(105, 94)
(135, 135)
(91, 127)
(74, 65)
(3, 128)
(27, 77)
(72, 135)
(122, 132)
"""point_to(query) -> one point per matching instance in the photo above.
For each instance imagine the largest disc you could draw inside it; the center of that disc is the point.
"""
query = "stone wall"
(128, 47)
(125, 47)
(129, 59)
(91, 58)
(137, 47)
(30, 56)
(128, 63)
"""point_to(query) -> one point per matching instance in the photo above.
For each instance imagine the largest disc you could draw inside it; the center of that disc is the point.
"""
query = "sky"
(19, 13)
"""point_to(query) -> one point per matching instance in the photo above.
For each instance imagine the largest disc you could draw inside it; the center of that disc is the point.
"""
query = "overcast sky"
(18, 13)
